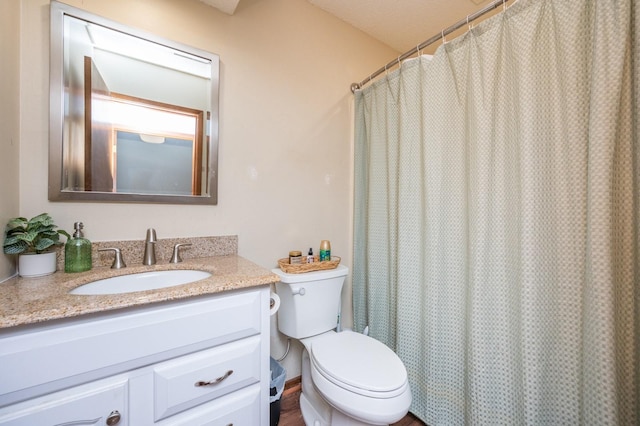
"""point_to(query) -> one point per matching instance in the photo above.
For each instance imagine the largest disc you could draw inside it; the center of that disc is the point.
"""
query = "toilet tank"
(309, 302)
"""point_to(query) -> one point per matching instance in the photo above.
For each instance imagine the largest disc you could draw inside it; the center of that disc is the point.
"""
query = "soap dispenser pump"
(77, 251)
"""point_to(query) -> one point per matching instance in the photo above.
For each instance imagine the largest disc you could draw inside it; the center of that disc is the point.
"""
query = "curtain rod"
(441, 35)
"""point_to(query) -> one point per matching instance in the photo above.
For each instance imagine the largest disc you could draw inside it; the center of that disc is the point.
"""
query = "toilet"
(347, 378)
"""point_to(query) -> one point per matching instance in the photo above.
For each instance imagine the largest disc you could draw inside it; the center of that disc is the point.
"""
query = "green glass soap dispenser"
(77, 251)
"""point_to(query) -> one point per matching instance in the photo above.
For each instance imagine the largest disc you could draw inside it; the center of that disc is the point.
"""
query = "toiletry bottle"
(77, 251)
(295, 257)
(325, 250)
(310, 258)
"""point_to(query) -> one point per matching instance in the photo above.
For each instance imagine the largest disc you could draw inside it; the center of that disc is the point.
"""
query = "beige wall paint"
(285, 176)
(9, 120)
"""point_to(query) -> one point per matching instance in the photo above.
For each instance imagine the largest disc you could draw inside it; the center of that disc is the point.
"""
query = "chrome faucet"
(150, 248)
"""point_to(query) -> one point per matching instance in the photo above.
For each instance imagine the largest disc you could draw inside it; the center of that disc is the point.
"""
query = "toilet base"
(315, 410)
(335, 418)
(340, 419)
(311, 416)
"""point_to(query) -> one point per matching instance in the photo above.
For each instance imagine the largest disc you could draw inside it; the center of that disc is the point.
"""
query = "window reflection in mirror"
(133, 119)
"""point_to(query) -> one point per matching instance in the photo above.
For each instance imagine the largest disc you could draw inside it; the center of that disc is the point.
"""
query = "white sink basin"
(141, 282)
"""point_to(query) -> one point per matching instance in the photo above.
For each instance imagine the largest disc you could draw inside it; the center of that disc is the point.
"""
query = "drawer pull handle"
(216, 381)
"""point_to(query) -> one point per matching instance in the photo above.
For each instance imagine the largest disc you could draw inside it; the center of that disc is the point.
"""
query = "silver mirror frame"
(56, 115)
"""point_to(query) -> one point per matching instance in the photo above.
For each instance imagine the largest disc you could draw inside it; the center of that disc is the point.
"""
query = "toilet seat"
(359, 364)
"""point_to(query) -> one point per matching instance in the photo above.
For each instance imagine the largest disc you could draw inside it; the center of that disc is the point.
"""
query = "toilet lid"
(360, 362)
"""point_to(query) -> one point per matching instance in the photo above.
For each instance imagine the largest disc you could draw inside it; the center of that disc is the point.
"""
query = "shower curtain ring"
(468, 24)
(399, 64)
(444, 40)
(504, 5)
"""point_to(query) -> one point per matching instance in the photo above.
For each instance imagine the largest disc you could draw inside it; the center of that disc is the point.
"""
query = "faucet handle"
(118, 262)
(175, 258)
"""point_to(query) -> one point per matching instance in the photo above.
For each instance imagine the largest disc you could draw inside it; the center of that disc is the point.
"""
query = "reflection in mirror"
(133, 117)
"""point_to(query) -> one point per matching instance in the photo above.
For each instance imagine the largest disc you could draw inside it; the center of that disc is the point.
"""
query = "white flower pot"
(36, 265)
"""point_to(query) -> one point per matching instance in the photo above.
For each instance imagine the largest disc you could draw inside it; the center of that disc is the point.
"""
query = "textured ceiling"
(401, 24)
(226, 6)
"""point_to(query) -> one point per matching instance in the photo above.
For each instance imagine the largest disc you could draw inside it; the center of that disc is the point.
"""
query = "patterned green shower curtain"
(496, 218)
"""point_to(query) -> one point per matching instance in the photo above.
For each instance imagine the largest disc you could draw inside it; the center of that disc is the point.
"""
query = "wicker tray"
(316, 265)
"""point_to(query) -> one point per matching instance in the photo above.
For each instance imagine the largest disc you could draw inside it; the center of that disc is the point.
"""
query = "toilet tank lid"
(325, 274)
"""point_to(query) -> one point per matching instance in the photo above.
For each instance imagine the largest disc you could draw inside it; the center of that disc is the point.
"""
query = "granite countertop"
(33, 300)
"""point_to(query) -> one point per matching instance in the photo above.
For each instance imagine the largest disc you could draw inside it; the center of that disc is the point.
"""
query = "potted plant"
(34, 241)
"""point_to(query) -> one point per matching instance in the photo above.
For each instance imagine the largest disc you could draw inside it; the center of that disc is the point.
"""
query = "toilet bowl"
(347, 378)
(359, 376)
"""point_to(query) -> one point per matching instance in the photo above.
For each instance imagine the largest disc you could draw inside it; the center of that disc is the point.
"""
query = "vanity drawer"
(43, 359)
(191, 380)
(240, 408)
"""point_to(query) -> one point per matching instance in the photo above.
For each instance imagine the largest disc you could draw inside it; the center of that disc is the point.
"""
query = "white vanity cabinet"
(198, 361)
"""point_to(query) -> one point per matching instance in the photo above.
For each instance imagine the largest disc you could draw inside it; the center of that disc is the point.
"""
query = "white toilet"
(347, 378)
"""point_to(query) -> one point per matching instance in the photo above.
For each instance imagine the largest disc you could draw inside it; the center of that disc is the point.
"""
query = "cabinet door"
(85, 405)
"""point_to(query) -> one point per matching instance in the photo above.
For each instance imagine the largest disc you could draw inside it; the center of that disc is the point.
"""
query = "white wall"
(285, 174)
(9, 120)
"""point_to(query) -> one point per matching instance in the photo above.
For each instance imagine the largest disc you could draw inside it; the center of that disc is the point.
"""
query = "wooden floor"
(290, 414)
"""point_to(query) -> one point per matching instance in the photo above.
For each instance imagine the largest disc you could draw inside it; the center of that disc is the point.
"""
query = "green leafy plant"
(36, 235)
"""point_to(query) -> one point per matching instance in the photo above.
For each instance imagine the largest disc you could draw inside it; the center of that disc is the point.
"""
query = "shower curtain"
(496, 240)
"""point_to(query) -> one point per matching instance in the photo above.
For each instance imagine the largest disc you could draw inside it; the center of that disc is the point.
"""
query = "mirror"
(133, 117)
